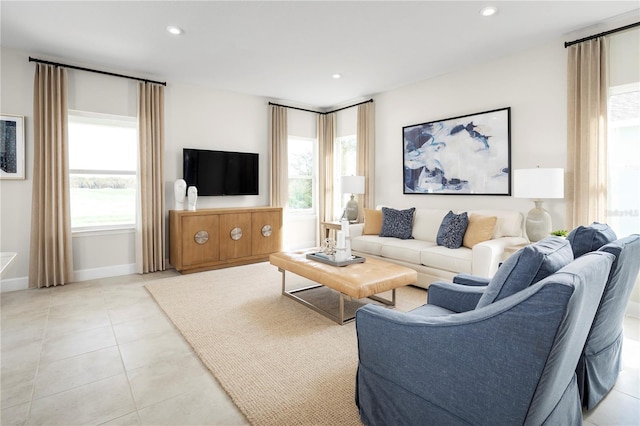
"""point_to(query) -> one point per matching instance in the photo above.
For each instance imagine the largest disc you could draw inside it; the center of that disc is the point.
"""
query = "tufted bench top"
(358, 280)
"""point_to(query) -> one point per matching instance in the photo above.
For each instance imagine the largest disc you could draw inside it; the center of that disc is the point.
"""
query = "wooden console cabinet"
(216, 238)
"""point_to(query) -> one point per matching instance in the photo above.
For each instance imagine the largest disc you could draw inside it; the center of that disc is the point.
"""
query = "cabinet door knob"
(266, 231)
(236, 234)
(201, 237)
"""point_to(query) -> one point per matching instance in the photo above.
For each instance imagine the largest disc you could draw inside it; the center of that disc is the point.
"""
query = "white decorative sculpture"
(192, 195)
(180, 193)
(347, 238)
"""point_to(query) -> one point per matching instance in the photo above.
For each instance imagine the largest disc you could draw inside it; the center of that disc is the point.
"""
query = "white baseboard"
(22, 283)
(105, 272)
(14, 284)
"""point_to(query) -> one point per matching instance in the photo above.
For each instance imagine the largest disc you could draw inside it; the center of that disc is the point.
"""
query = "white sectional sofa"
(434, 262)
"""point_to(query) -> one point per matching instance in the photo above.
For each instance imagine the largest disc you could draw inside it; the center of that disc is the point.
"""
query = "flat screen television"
(220, 172)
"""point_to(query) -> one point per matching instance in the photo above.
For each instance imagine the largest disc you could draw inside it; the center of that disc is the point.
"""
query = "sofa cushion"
(371, 244)
(440, 257)
(480, 229)
(426, 224)
(404, 250)
(452, 230)
(526, 267)
(584, 239)
(372, 222)
(509, 223)
(397, 223)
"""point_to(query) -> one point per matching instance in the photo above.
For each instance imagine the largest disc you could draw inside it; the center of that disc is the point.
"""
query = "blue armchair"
(600, 361)
(508, 362)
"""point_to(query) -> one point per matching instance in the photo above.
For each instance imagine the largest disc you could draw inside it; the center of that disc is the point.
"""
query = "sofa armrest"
(356, 229)
(454, 297)
(467, 279)
(487, 255)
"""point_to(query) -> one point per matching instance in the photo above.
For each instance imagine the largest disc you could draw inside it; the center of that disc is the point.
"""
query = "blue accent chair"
(600, 361)
(508, 362)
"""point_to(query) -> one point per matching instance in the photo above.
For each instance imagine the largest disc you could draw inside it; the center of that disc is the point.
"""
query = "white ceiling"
(288, 50)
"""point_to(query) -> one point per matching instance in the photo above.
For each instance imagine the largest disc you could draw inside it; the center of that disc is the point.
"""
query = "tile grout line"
(124, 368)
(35, 374)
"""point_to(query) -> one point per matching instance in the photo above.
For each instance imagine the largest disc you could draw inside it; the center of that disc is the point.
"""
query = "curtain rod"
(319, 112)
(57, 64)
(626, 27)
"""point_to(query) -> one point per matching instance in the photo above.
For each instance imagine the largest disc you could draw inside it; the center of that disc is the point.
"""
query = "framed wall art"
(11, 146)
(465, 155)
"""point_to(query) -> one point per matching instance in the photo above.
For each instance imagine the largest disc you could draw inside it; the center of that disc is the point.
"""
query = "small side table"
(328, 226)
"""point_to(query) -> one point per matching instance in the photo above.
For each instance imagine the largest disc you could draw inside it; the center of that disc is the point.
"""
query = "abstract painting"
(465, 155)
(11, 146)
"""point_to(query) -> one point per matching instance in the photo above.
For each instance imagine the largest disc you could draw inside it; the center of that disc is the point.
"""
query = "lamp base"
(352, 210)
(538, 224)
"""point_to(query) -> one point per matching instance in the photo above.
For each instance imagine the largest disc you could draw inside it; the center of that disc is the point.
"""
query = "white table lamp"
(352, 185)
(538, 184)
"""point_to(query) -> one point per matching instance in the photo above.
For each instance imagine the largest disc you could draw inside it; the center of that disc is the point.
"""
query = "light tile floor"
(102, 352)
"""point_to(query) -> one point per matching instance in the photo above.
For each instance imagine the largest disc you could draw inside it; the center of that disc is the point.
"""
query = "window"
(103, 158)
(623, 156)
(344, 154)
(302, 155)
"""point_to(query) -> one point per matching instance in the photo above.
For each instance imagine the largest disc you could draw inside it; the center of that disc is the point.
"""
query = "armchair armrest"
(454, 297)
(468, 279)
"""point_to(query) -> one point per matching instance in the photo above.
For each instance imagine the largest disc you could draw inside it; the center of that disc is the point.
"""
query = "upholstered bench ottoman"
(356, 281)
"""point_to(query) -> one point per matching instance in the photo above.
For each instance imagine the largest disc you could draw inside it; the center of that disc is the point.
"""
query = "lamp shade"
(538, 183)
(352, 184)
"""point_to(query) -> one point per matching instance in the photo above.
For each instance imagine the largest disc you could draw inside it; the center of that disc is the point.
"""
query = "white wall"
(624, 57)
(195, 117)
(346, 122)
(16, 97)
(532, 83)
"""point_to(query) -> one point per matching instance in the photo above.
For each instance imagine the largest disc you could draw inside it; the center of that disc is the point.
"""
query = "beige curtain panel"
(278, 139)
(150, 226)
(365, 158)
(587, 85)
(326, 125)
(51, 257)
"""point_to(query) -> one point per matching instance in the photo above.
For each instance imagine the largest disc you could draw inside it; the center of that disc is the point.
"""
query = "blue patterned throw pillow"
(397, 223)
(452, 229)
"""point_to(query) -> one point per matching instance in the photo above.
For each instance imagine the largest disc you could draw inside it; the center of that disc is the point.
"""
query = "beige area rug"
(281, 362)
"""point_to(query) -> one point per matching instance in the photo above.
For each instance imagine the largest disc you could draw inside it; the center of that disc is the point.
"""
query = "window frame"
(104, 119)
(611, 212)
(314, 177)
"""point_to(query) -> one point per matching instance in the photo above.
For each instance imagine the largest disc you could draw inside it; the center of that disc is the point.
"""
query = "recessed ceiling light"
(488, 11)
(174, 30)
(337, 76)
